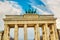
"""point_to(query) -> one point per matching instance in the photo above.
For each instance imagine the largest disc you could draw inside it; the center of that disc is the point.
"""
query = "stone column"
(6, 32)
(56, 33)
(45, 32)
(25, 31)
(16, 32)
(0, 35)
(37, 33)
(52, 32)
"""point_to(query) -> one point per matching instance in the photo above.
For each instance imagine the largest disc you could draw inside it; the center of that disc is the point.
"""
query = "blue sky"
(33, 4)
(27, 4)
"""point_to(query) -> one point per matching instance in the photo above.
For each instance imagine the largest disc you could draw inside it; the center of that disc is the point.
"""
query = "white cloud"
(8, 8)
(40, 11)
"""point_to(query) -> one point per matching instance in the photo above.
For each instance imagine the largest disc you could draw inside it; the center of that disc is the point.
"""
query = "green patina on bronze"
(31, 11)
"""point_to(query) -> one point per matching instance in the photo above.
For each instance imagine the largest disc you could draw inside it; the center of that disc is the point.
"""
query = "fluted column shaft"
(45, 32)
(56, 33)
(0, 35)
(25, 31)
(37, 33)
(6, 32)
(16, 32)
(35, 30)
(52, 32)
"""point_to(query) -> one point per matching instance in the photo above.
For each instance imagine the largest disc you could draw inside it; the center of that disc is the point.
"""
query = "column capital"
(16, 25)
(25, 25)
(46, 23)
(37, 25)
(6, 25)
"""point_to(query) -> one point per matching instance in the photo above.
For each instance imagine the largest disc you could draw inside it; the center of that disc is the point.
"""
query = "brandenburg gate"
(31, 20)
